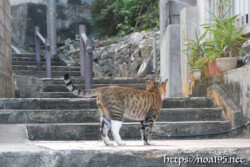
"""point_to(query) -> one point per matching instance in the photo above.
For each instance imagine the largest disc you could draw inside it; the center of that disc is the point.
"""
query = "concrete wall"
(170, 12)
(236, 84)
(69, 14)
(6, 80)
(170, 60)
(188, 26)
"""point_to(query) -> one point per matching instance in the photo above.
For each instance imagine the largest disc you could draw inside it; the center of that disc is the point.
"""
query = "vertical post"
(51, 25)
(233, 11)
(154, 53)
(37, 43)
(89, 65)
(163, 16)
(244, 12)
(248, 12)
(82, 30)
(48, 58)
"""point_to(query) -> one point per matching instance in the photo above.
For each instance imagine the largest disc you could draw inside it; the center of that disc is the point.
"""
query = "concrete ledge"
(223, 99)
(94, 153)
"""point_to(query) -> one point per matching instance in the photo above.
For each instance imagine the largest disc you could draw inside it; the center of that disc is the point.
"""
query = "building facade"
(6, 79)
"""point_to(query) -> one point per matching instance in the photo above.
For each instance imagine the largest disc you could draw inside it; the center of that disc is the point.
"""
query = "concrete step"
(90, 103)
(43, 68)
(53, 73)
(134, 154)
(171, 153)
(29, 58)
(33, 63)
(93, 115)
(78, 80)
(14, 55)
(63, 88)
(129, 131)
(31, 94)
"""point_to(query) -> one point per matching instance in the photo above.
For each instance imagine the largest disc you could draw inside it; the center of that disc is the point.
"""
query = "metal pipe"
(37, 44)
(51, 25)
(82, 30)
(89, 65)
(154, 52)
(48, 58)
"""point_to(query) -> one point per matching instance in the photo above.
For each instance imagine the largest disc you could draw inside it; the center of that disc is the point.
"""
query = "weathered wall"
(170, 12)
(170, 60)
(69, 14)
(189, 25)
(235, 82)
(6, 81)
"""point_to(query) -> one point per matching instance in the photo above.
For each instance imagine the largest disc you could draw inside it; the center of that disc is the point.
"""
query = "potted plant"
(196, 53)
(200, 67)
(225, 40)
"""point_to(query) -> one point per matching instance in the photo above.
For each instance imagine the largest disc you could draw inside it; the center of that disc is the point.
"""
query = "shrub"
(121, 17)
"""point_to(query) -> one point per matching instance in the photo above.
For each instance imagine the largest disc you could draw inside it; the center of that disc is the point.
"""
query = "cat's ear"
(148, 81)
(165, 82)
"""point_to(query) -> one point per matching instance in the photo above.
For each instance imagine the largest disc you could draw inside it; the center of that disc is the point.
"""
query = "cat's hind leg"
(115, 127)
(105, 127)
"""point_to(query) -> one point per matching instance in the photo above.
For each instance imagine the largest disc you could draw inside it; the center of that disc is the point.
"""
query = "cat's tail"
(78, 92)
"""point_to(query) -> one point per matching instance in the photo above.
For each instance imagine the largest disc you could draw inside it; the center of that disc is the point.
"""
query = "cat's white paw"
(148, 142)
(121, 144)
(108, 143)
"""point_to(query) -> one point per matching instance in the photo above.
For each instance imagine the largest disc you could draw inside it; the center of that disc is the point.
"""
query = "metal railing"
(46, 42)
(86, 58)
(239, 7)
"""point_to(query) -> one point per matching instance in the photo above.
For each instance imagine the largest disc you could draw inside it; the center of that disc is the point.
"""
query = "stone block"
(189, 25)
(170, 60)
(1, 16)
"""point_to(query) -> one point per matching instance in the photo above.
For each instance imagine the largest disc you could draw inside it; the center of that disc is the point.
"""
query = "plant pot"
(192, 76)
(197, 74)
(226, 63)
(206, 72)
(212, 68)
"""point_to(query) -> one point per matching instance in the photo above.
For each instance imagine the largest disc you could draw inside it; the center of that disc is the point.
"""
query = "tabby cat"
(117, 102)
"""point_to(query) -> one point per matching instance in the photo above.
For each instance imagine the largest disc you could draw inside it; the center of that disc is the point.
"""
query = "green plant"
(196, 50)
(225, 36)
(201, 63)
(121, 17)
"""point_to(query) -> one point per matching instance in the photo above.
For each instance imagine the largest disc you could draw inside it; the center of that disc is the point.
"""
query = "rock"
(136, 38)
(121, 58)
(245, 57)
(145, 68)
(67, 41)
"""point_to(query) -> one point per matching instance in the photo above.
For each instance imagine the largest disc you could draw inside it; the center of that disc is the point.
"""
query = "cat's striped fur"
(117, 102)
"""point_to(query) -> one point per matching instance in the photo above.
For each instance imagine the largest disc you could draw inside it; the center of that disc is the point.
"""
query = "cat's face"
(156, 86)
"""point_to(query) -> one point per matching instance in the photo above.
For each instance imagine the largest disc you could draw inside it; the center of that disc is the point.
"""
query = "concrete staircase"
(78, 118)
(32, 82)
(56, 128)
(56, 116)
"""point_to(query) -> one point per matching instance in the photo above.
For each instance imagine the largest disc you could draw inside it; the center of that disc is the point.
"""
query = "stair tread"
(130, 123)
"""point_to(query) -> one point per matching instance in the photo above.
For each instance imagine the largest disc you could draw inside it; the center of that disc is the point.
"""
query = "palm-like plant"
(195, 49)
(225, 37)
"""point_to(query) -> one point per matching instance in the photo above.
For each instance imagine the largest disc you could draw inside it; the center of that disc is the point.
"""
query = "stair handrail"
(86, 58)
(46, 42)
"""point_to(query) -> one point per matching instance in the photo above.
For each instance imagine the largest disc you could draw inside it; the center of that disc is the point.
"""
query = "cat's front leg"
(148, 127)
(115, 127)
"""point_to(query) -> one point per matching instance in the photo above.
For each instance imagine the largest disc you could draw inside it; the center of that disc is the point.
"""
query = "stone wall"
(170, 60)
(129, 56)
(6, 81)
(69, 14)
(189, 25)
(235, 82)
